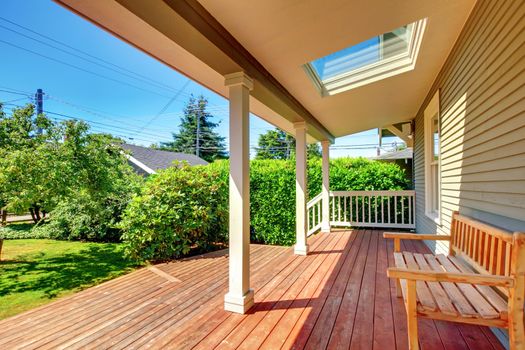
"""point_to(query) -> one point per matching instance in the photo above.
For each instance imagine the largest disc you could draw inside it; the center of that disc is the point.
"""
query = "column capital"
(300, 125)
(326, 142)
(238, 78)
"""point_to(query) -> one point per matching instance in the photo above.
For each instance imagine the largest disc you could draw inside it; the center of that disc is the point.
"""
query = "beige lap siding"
(482, 108)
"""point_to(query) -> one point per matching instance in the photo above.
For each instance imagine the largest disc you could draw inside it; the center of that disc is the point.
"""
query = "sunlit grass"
(36, 271)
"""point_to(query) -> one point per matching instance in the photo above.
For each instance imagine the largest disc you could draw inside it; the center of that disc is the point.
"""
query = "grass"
(36, 271)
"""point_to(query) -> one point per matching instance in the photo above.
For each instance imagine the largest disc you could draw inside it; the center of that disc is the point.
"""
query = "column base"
(300, 249)
(238, 304)
(326, 229)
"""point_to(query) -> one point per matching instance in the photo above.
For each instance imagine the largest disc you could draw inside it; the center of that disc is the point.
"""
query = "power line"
(141, 77)
(68, 117)
(15, 93)
(132, 74)
(93, 123)
(166, 106)
(81, 69)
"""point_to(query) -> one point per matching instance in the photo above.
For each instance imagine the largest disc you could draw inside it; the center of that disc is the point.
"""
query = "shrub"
(84, 218)
(178, 209)
(21, 231)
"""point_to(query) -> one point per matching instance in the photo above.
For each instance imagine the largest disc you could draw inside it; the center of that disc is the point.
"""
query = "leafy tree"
(314, 151)
(27, 153)
(45, 163)
(196, 124)
(276, 144)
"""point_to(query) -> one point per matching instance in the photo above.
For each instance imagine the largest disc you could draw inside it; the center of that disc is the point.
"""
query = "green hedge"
(273, 190)
(184, 208)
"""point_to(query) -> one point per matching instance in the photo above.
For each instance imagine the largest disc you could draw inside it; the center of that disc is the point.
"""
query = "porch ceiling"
(271, 40)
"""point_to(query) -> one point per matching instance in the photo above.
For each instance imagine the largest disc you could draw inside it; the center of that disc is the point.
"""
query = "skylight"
(374, 59)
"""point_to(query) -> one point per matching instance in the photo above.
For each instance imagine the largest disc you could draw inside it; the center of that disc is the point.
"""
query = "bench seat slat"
(480, 304)
(456, 297)
(400, 262)
(424, 295)
(439, 294)
(490, 294)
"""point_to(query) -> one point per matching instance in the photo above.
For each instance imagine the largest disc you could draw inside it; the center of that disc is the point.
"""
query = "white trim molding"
(370, 73)
(140, 164)
(432, 176)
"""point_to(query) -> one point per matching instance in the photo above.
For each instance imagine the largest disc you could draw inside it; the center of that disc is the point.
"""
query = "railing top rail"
(373, 193)
(314, 200)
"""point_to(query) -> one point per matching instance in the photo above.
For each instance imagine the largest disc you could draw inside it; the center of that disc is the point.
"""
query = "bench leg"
(516, 326)
(411, 308)
(398, 288)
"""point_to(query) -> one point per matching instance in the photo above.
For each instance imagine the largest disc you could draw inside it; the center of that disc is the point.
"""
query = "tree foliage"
(276, 144)
(196, 122)
(45, 165)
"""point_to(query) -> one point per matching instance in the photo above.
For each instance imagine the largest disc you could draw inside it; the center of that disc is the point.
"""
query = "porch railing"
(381, 209)
(314, 211)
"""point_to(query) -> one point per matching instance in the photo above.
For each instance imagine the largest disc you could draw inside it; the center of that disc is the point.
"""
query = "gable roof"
(150, 160)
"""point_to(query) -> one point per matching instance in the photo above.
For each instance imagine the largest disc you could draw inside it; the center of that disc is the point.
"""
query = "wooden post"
(301, 246)
(411, 309)
(239, 297)
(3, 219)
(517, 293)
(1, 245)
(452, 233)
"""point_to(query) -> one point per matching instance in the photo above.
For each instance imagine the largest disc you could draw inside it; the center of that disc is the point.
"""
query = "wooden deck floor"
(336, 297)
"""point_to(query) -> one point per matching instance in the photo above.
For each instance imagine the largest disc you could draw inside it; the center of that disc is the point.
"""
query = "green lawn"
(35, 271)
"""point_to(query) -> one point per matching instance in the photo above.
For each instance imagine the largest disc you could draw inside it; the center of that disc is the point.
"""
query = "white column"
(325, 224)
(239, 297)
(301, 246)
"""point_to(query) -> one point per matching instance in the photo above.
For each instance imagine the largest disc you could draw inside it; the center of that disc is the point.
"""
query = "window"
(377, 58)
(432, 159)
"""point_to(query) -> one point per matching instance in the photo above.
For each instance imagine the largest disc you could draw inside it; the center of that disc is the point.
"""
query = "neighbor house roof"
(149, 161)
(406, 153)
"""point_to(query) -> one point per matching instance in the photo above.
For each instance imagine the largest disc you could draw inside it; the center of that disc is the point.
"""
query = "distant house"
(148, 161)
(403, 158)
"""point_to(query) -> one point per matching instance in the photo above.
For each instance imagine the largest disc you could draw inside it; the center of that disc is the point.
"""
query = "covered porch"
(336, 297)
(453, 94)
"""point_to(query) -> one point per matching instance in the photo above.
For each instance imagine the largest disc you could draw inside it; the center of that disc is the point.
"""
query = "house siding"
(482, 103)
(482, 108)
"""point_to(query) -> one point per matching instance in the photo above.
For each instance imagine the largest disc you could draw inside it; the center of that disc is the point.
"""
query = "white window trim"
(431, 110)
(373, 72)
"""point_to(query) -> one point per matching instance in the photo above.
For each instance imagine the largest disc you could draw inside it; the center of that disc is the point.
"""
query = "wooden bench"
(481, 281)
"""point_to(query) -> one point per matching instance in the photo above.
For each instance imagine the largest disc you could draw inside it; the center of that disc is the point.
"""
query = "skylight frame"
(372, 72)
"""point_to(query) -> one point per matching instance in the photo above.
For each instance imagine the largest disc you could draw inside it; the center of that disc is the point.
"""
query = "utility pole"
(39, 105)
(197, 146)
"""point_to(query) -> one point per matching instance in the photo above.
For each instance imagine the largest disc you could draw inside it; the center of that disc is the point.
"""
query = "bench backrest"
(487, 249)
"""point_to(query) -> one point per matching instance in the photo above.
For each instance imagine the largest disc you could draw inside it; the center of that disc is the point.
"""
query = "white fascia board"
(140, 164)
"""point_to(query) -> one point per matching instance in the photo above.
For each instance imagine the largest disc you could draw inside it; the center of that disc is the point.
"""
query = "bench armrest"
(416, 236)
(454, 277)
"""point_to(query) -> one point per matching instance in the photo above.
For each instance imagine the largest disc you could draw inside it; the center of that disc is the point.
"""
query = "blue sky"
(125, 99)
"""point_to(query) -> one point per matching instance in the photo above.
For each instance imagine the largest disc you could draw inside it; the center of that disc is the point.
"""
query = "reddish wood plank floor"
(337, 297)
